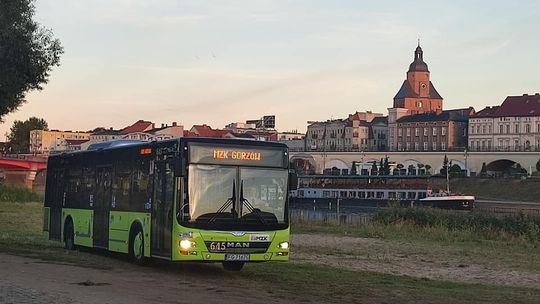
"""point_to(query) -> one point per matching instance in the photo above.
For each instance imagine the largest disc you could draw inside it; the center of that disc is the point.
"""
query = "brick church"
(417, 120)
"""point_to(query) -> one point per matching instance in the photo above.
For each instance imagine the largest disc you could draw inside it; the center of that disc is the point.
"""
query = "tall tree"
(353, 168)
(28, 52)
(444, 169)
(19, 134)
(538, 166)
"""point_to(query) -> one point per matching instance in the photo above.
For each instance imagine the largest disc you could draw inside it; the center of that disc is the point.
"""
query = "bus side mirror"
(293, 181)
(178, 167)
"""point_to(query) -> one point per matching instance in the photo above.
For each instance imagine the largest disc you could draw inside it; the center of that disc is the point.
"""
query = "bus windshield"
(236, 195)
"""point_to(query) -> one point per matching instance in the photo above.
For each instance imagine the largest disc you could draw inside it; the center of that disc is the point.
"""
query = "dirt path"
(27, 280)
(393, 257)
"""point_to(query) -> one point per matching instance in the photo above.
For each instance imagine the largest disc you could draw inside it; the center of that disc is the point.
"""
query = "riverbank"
(515, 190)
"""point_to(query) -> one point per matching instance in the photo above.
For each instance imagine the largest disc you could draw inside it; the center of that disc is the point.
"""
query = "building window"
(426, 146)
(507, 129)
(416, 132)
(400, 132)
(408, 146)
(527, 129)
(443, 131)
(472, 130)
(443, 146)
(416, 146)
(400, 147)
(434, 147)
(408, 131)
(517, 129)
(426, 131)
(501, 129)
(489, 129)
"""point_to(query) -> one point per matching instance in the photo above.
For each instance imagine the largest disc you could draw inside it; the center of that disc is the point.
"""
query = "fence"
(349, 219)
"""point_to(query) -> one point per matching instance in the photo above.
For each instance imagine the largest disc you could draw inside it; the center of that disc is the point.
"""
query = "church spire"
(418, 64)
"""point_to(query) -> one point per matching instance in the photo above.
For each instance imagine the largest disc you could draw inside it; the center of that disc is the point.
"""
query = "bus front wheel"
(69, 242)
(233, 266)
(136, 246)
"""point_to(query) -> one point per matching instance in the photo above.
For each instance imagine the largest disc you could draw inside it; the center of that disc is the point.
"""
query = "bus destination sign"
(237, 155)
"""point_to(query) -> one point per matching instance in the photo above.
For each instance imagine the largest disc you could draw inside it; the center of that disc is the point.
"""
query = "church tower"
(417, 93)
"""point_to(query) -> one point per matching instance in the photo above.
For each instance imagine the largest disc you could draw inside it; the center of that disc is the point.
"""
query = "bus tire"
(136, 246)
(69, 238)
(233, 266)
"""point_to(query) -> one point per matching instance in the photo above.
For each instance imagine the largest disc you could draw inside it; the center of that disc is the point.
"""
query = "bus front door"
(162, 209)
(102, 203)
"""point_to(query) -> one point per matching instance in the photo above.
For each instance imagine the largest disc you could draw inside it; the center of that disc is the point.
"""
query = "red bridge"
(24, 172)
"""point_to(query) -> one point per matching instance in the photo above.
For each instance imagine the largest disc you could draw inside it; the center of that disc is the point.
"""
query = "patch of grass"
(19, 195)
(299, 282)
(20, 233)
(499, 189)
(485, 225)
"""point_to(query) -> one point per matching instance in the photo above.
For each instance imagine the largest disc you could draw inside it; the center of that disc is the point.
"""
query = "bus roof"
(129, 144)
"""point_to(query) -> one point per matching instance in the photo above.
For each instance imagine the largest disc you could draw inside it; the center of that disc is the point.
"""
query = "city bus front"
(233, 205)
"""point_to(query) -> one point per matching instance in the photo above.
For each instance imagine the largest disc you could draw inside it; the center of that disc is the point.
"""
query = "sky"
(218, 62)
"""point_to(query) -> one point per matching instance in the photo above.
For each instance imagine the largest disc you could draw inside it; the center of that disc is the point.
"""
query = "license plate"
(236, 257)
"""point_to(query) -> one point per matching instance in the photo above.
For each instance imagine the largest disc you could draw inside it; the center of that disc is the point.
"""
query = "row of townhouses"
(417, 121)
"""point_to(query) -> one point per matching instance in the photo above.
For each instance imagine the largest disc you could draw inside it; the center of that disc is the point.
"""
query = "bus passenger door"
(162, 209)
(102, 203)
(55, 197)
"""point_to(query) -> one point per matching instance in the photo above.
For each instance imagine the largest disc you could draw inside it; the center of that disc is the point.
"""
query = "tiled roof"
(383, 119)
(139, 126)
(106, 132)
(190, 134)
(207, 131)
(524, 105)
(407, 91)
(448, 115)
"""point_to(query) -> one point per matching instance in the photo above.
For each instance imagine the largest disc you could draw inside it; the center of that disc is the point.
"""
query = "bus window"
(142, 187)
(121, 186)
(73, 188)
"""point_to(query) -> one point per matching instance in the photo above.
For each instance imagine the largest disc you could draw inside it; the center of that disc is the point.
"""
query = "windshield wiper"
(228, 203)
(249, 206)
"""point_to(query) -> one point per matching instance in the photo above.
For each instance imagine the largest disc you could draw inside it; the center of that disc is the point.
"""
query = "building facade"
(433, 131)
(339, 135)
(512, 126)
(416, 95)
(45, 142)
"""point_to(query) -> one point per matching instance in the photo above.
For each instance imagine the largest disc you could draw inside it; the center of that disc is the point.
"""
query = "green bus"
(187, 199)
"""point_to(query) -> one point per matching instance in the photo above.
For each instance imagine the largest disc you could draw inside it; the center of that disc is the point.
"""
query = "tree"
(19, 134)
(420, 166)
(444, 169)
(386, 166)
(353, 168)
(374, 168)
(28, 52)
(411, 169)
(538, 166)
(483, 171)
(428, 169)
(400, 167)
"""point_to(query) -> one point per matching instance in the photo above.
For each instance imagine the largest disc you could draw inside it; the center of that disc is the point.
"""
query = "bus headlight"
(186, 244)
(283, 245)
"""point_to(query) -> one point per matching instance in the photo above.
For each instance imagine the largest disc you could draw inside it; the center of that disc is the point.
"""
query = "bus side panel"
(120, 223)
(82, 225)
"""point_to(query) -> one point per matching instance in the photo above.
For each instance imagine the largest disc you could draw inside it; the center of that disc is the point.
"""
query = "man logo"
(259, 238)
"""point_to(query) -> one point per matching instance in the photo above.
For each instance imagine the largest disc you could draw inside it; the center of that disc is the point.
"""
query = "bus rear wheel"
(136, 246)
(233, 266)
(69, 240)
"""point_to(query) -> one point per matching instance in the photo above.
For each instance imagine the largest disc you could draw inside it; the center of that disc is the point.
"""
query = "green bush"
(19, 195)
(484, 224)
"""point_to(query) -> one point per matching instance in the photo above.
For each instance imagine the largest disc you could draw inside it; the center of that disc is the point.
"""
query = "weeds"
(18, 195)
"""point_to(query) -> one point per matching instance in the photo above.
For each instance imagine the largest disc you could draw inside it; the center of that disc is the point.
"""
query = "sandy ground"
(27, 280)
(401, 259)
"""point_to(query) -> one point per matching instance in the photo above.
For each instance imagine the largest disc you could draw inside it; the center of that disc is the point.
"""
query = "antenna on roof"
(418, 39)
